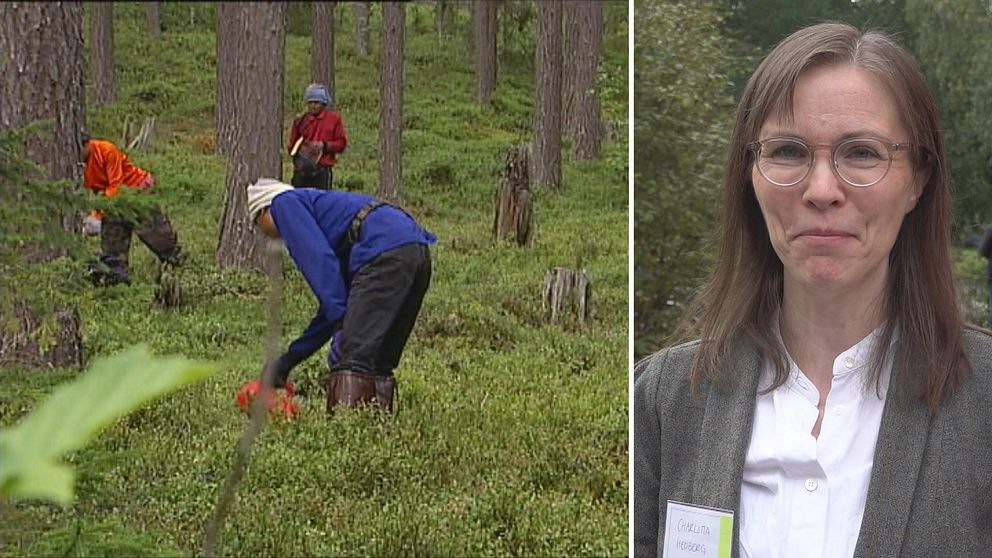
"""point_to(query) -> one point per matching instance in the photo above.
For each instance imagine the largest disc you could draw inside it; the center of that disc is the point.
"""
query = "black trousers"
(383, 304)
(322, 178)
(155, 231)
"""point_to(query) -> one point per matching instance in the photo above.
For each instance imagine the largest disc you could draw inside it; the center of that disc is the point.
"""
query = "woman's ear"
(911, 202)
(921, 177)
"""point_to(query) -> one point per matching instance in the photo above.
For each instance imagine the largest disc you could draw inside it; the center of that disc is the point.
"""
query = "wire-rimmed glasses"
(860, 162)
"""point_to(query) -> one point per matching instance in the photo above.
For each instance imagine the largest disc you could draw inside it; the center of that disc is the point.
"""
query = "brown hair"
(744, 291)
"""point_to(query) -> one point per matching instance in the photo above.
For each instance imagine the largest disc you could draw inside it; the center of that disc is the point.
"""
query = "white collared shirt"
(804, 497)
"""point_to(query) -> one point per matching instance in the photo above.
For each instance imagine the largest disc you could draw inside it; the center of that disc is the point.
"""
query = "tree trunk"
(568, 85)
(584, 41)
(362, 28)
(257, 152)
(102, 51)
(322, 46)
(153, 10)
(566, 291)
(391, 101)
(513, 215)
(442, 17)
(546, 157)
(484, 27)
(230, 31)
(41, 43)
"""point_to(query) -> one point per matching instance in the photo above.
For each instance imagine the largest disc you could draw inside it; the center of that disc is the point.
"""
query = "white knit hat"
(261, 194)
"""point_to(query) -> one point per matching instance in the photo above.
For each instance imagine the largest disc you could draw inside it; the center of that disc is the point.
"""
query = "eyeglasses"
(860, 162)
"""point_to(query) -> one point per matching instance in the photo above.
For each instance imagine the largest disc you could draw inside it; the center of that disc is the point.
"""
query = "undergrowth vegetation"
(511, 436)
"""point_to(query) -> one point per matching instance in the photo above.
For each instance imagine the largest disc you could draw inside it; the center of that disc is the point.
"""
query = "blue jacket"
(314, 225)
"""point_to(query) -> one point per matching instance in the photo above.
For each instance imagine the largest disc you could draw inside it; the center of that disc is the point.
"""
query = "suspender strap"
(356, 224)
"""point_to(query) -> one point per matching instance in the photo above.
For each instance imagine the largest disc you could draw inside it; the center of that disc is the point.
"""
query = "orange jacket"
(108, 168)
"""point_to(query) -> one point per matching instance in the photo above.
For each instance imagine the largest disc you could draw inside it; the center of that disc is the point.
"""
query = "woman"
(315, 139)
(835, 404)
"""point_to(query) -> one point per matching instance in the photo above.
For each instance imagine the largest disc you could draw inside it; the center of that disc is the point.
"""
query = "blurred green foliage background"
(691, 59)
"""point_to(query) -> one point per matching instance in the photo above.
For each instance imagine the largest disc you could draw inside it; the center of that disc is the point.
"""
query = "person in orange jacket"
(106, 170)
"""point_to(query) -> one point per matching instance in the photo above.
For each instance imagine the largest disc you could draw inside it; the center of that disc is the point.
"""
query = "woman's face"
(314, 107)
(828, 234)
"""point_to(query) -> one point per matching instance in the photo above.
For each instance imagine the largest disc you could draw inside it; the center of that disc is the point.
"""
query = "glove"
(278, 403)
(92, 225)
(281, 367)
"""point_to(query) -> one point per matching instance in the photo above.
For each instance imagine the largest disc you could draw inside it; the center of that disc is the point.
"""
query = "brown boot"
(354, 389)
(385, 387)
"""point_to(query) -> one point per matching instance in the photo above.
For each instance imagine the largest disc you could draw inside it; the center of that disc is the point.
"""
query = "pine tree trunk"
(41, 43)
(484, 26)
(153, 11)
(584, 41)
(362, 28)
(322, 46)
(391, 101)
(513, 214)
(230, 31)
(102, 52)
(568, 84)
(442, 17)
(546, 156)
(257, 152)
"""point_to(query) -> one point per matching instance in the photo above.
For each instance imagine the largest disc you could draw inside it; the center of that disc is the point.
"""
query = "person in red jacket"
(106, 170)
(315, 137)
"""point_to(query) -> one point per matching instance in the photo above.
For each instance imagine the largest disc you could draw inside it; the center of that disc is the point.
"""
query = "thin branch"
(259, 409)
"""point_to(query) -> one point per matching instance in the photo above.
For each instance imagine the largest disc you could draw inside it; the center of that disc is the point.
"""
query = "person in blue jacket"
(368, 263)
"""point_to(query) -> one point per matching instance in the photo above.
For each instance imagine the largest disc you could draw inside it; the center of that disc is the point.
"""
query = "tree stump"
(168, 293)
(566, 291)
(513, 215)
(68, 348)
(143, 135)
(22, 346)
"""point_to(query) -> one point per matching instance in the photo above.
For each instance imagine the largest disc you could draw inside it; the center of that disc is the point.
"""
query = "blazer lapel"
(902, 439)
(725, 435)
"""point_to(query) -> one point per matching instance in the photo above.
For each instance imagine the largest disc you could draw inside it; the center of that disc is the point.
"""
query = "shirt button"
(849, 362)
(839, 410)
(811, 485)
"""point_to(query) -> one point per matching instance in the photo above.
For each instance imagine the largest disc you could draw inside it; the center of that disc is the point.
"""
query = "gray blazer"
(930, 493)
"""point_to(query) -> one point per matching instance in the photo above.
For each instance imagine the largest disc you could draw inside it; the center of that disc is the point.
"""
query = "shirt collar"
(853, 359)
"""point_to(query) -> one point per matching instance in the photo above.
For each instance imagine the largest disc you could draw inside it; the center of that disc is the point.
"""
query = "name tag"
(697, 531)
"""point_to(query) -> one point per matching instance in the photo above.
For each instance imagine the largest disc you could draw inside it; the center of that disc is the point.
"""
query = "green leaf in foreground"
(31, 452)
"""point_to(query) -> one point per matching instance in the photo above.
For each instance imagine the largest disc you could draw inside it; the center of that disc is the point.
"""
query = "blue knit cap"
(317, 92)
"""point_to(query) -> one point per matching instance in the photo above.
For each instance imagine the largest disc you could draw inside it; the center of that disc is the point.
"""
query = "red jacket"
(327, 127)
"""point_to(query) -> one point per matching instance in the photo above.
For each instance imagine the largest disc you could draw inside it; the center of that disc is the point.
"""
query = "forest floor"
(511, 436)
